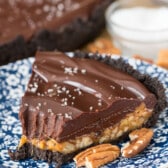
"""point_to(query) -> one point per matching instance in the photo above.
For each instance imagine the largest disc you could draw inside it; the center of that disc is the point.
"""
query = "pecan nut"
(97, 156)
(102, 45)
(139, 140)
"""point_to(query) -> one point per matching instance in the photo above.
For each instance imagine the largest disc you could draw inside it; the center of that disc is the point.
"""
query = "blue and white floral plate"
(13, 80)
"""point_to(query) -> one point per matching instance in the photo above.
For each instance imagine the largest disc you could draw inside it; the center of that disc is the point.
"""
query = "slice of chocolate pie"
(72, 103)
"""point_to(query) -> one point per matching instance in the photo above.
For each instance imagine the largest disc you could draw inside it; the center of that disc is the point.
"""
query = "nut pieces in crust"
(97, 156)
(139, 141)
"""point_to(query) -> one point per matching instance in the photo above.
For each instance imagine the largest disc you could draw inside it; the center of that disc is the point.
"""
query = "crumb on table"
(163, 58)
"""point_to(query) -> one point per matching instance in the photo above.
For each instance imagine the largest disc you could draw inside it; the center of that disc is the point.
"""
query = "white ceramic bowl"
(134, 41)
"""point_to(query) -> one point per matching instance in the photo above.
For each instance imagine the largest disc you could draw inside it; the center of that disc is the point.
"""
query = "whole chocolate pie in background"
(72, 103)
(30, 25)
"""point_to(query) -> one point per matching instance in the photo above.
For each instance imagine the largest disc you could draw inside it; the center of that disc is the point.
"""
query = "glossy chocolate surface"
(68, 97)
(25, 17)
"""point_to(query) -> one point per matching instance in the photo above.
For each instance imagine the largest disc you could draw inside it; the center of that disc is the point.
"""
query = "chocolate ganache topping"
(68, 97)
(25, 17)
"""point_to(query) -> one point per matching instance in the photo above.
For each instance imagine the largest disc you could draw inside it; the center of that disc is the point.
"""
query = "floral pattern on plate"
(13, 80)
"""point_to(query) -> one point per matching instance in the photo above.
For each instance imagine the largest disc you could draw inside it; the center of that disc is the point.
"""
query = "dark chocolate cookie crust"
(68, 38)
(29, 151)
(153, 84)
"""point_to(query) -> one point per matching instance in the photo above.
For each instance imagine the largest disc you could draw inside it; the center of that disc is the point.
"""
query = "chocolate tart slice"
(76, 101)
(28, 26)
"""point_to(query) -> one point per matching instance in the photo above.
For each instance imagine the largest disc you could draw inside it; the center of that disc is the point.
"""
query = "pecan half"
(103, 45)
(96, 156)
(139, 141)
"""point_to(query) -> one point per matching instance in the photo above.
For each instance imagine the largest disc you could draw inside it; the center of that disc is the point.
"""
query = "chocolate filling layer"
(28, 26)
(31, 16)
(69, 97)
